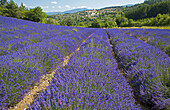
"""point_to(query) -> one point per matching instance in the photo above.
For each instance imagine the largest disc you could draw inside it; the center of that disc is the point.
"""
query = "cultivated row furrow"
(156, 37)
(20, 71)
(90, 80)
(16, 34)
(146, 67)
(42, 84)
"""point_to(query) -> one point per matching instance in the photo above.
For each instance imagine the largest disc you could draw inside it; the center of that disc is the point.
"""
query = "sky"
(63, 5)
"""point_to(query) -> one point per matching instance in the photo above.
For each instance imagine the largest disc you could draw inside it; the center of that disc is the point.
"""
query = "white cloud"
(67, 6)
(44, 7)
(53, 6)
(59, 7)
(51, 11)
(82, 7)
(54, 2)
(31, 6)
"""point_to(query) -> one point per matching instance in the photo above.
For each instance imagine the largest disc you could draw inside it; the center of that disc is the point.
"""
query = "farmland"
(117, 69)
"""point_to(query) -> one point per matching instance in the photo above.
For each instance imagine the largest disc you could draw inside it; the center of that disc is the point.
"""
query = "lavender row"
(22, 69)
(24, 28)
(90, 80)
(16, 34)
(69, 43)
(156, 37)
(147, 68)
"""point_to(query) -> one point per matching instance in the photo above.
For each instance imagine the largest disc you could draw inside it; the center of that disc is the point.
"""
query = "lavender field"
(115, 69)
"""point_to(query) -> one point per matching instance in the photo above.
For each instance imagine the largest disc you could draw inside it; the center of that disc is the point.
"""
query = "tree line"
(153, 1)
(122, 21)
(11, 9)
(118, 21)
(148, 11)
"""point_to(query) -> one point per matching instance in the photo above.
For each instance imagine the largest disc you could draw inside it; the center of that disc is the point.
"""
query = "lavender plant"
(16, 34)
(22, 68)
(146, 67)
(156, 37)
(90, 80)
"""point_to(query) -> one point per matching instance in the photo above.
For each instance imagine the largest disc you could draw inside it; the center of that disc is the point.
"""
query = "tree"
(124, 21)
(153, 1)
(112, 24)
(131, 23)
(106, 25)
(148, 11)
(35, 14)
(121, 21)
(96, 23)
(3, 9)
(3, 2)
(81, 24)
(12, 9)
(21, 11)
(67, 22)
(118, 20)
(50, 21)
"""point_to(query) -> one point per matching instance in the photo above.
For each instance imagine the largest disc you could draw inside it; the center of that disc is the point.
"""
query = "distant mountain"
(128, 5)
(76, 10)
(67, 12)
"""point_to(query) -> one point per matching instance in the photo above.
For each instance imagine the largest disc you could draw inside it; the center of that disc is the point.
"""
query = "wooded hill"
(148, 10)
(149, 13)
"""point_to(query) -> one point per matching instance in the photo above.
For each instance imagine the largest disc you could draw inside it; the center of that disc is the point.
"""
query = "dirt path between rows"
(41, 85)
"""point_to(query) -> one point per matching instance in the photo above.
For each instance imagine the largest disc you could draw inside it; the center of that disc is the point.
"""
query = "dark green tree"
(131, 23)
(67, 22)
(96, 23)
(112, 24)
(118, 20)
(21, 11)
(3, 2)
(12, 9)
(81, 24)
(35, 14)
(153, 1)
(3, 9)
(148, 11)
(121, 21)
(106, 25)
(50, 21)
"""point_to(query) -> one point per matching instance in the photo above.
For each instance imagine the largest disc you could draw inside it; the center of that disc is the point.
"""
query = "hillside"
(148, 10)
(149, 13)
(144, 14)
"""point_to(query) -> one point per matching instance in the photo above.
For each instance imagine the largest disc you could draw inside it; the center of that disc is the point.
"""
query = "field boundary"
(43, 83)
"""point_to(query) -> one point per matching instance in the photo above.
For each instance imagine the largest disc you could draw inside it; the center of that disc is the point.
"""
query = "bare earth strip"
(41, 85)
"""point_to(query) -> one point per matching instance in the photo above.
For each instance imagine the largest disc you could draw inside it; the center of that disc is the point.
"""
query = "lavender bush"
(90, 80)
(16, 34)
(146, 67)
(156, 37)
(24, 61)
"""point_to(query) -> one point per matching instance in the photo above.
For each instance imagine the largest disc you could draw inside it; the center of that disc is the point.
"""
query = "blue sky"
(63, 5)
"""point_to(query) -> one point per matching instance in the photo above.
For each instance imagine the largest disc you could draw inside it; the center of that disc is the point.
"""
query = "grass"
(147, 27)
